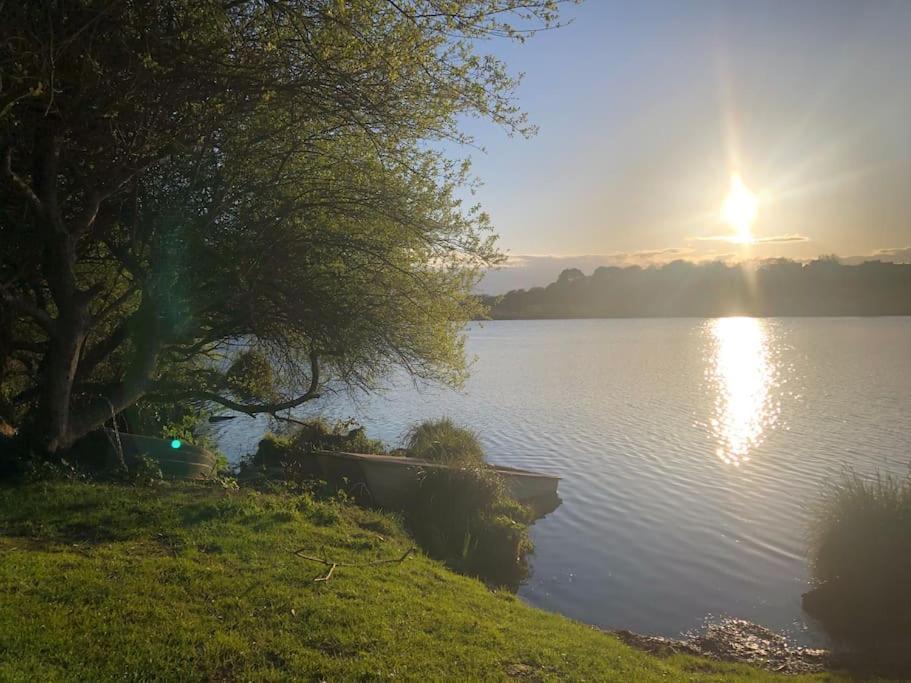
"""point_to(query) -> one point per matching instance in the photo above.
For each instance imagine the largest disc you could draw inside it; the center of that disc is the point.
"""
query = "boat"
(176, 458)
(389, 478)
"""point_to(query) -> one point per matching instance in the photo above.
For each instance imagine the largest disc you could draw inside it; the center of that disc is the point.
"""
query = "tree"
(777, 287)
(570, 275)
(185, 178)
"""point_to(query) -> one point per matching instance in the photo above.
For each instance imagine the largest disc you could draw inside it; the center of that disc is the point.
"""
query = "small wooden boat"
(389, 478)
(177, 459)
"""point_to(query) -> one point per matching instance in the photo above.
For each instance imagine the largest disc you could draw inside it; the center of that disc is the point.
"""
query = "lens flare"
(740, 209)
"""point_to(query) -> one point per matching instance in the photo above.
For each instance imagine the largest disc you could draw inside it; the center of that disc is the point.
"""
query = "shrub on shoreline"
(466, 518)
(275, 450)
(860, 557)
(444, 441)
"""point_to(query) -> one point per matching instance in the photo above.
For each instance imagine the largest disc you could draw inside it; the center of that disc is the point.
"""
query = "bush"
(272, 451)
(315, 435)
(250, 377)
(444, 441)
(291, 454)
(20, 464)
(178, 420)
(860, 556)
(340, 436)
(144, 471)
(461, 515)
(466, 518)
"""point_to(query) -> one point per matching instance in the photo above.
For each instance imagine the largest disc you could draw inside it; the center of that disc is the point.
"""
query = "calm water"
(689, 450)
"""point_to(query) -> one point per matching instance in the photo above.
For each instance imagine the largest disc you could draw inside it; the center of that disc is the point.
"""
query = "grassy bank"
(201, 583)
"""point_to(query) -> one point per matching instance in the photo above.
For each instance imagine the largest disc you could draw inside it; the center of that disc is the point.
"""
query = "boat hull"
(185, 462)
(390, 479)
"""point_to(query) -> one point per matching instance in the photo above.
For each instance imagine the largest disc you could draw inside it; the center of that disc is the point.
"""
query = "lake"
(690, 450)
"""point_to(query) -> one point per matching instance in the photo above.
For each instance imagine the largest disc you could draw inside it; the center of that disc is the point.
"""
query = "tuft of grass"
(444, 441)
(189, 582)
(860, 554)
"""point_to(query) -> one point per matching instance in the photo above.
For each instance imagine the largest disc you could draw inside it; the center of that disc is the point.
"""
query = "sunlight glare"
(743, 374)
(740, 210)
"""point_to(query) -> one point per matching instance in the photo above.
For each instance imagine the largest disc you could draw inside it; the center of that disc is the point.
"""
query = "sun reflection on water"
(743, 374)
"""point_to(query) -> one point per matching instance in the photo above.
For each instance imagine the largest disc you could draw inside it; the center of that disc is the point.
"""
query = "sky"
(646, 109)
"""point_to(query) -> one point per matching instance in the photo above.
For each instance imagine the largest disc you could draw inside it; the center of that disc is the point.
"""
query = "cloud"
(778, 239)
(659, 253)
(893, 254)
(584, 261)
(897, 254)
(774, 239)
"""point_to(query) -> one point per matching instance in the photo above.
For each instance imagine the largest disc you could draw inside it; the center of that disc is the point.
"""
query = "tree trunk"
(146, 334)
(61, 362)
(59, 265)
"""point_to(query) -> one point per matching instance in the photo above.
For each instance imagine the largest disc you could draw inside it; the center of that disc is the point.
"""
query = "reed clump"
(314, 435)
(465, 517)
(444, 441)
(860, 556)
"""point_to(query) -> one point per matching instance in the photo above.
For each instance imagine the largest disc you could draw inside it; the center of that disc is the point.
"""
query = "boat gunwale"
(185, 447)
(405, 461)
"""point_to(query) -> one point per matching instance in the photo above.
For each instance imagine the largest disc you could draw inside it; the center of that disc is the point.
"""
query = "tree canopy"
(238, 201)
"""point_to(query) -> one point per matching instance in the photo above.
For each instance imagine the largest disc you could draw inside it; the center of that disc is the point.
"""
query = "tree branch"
(6, 170)
(39, 316)
(103, 349)
(28, 346)
(256, 408)
(136, 380)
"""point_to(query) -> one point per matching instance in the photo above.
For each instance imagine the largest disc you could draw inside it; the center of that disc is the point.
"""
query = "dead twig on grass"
(328, 574)
(332, 564)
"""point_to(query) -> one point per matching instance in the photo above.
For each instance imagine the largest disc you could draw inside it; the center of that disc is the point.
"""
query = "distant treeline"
(682, 288)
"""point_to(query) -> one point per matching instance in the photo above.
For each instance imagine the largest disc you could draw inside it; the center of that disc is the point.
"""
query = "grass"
(463, 516)
(862, 529)
(192, 582)
(444, 441)
(466, 518)
(860, 555)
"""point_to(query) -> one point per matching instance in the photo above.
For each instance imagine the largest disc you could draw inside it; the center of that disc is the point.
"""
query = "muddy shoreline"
(736, 640)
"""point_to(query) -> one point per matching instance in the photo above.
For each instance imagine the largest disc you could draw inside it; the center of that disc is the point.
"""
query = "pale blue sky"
(645, 109)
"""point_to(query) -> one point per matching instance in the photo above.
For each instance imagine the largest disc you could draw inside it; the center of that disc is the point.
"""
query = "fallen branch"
(328, 574)
(332, 564)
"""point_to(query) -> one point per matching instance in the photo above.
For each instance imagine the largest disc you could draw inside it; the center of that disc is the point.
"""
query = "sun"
(740, 210)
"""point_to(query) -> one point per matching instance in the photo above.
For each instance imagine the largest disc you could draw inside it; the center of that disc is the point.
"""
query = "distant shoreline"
(781, 288)
(692, 317)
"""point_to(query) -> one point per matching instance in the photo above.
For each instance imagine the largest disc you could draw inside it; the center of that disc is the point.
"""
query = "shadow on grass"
(90, 534)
